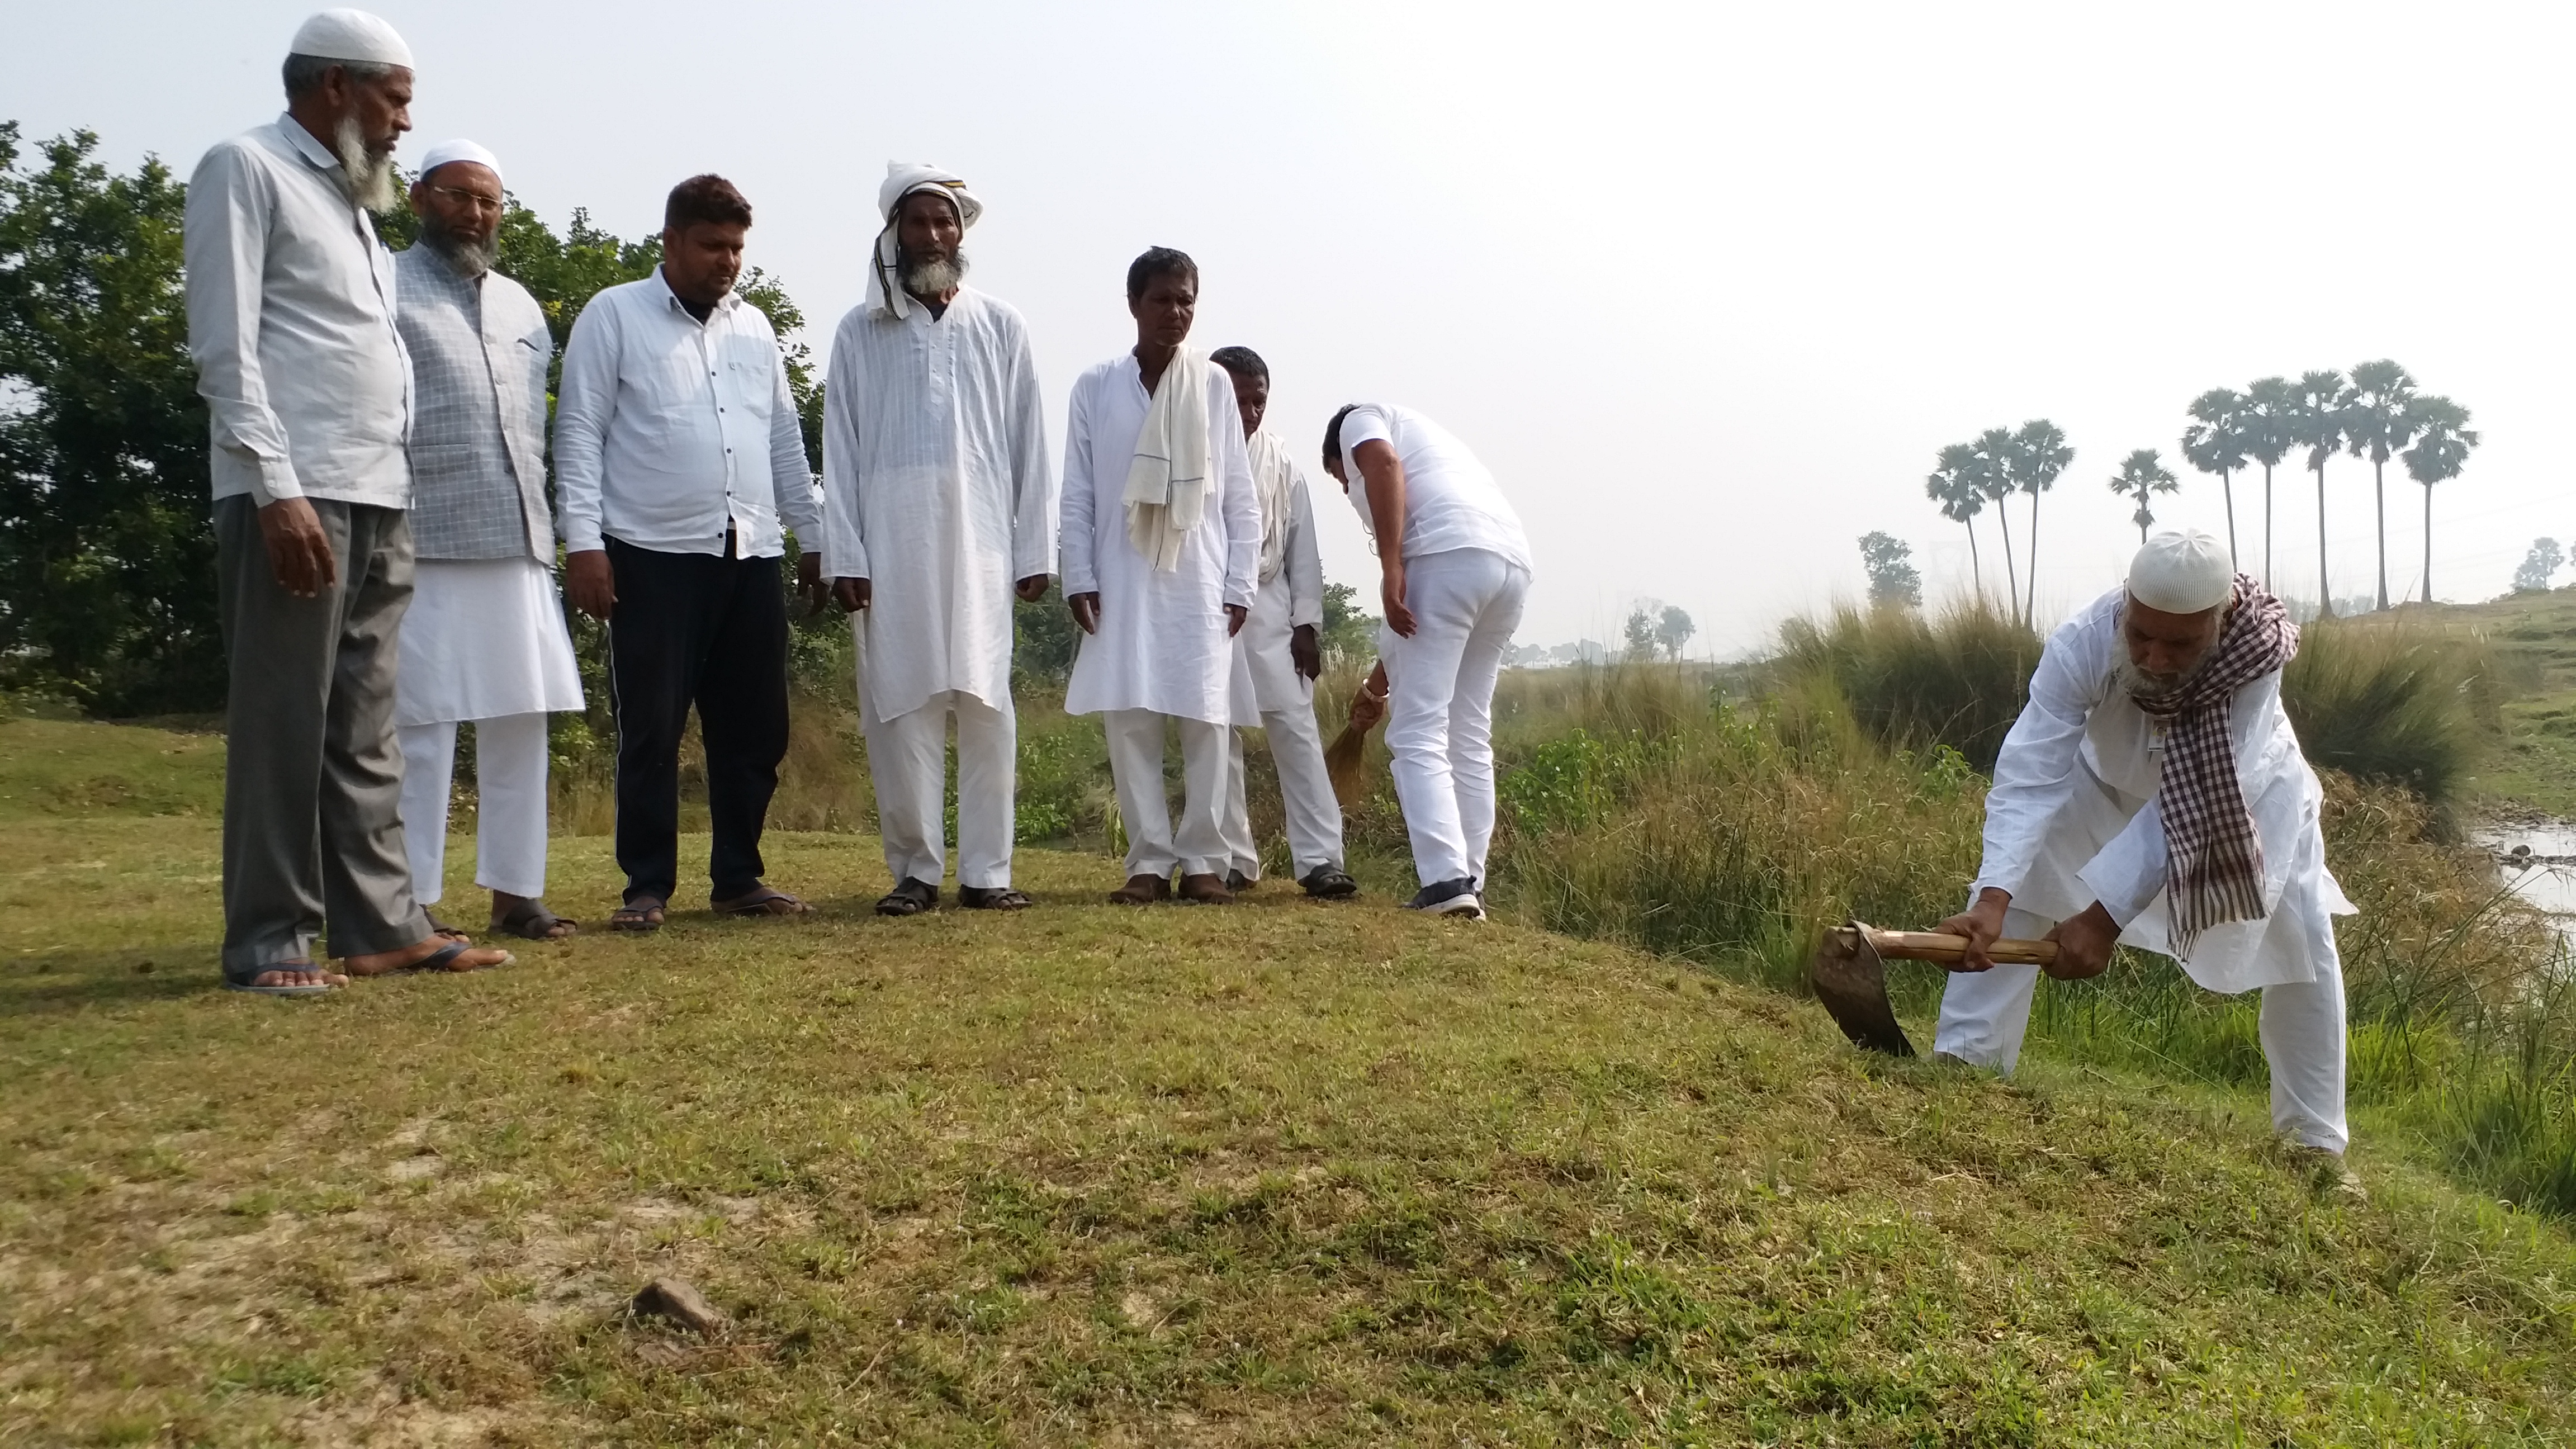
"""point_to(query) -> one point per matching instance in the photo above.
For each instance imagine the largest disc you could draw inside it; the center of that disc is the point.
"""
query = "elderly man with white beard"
(1162, 536)
(308, 396)
(485, 640)
(2152, 792)
(936, 499)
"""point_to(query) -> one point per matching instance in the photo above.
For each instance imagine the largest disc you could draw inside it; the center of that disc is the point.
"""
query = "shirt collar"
(725, 303)
(305, 144)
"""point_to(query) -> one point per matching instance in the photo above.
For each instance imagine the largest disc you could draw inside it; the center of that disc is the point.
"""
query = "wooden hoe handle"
(1950, 950)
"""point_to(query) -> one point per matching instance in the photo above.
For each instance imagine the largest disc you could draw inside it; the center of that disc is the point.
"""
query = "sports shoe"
(1449, 898)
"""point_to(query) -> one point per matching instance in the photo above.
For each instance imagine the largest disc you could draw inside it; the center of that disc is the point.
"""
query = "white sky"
(1707, 286)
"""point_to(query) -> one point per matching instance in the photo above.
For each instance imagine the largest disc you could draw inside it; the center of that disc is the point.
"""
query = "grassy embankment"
(1286, 1173)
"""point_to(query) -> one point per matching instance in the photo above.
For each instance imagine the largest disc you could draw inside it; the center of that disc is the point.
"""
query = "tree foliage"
(2142, 475)
(1893, 579)
(2538, 566)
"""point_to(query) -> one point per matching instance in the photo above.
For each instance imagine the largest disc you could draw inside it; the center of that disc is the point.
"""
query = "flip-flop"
(762, 901)
(644, 913)
(244, 980)
(444, 931)
(529, 920)
(437, 961)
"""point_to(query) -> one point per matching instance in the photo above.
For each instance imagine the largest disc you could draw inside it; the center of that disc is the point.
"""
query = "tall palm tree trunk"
(2228, 486)
(2325, 585)
(2267, 526)
(2012, 576)
(2379, 499)
(1976, 565)
(2428, 543)
(2030, 596)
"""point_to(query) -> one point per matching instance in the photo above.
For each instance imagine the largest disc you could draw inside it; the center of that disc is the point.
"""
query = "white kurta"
(1265, 677)
(483, 639)
(1163, 643)
(935, 489)
(2072, 817)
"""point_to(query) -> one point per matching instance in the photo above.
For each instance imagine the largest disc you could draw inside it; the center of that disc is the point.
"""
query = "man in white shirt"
(678, 455)
(2153, 792)
(1454, 569)
(936, 505)
(485, 639)
(1277, 656)
(308, 394)
(1161, 539)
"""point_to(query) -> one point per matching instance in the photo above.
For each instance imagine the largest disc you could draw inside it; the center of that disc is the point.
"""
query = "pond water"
(2537, 858)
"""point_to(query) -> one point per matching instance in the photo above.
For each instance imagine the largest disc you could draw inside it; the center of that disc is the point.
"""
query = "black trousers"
(709, 630)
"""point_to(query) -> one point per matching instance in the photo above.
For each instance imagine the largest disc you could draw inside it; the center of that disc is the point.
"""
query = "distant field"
(2534, 765)
(1278, 1174)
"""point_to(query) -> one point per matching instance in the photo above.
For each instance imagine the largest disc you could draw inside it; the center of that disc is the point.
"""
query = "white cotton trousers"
(1155, 843)
(908, 762)
(1305, 788)
(1985, 1013)
(1440, 704)
(510, 804)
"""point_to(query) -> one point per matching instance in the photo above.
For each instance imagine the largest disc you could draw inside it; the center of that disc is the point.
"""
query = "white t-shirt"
(1450, 501)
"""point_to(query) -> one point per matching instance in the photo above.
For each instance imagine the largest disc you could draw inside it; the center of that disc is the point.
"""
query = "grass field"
(1284, 1173)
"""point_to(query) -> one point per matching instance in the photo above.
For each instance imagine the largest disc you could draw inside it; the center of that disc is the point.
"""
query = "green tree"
(2215, 443)
(2538, 565)
(1993, 457)
(1893, 580)
(2265, 427)
(2040, 455)
(2317, 424)
(107, 590)
(1673, 629)
(2143, 475)
(1348, 636)
(1641, 629)
(2442, 445)
(2378, 425)
(1953, 485)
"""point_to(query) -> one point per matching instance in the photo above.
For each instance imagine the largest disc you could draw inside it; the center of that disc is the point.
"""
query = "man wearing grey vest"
(485, 640)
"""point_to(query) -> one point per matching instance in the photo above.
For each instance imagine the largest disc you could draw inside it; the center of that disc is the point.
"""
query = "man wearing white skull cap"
(936, 505)
(2152, 792)
(309, 399)
(485, 640)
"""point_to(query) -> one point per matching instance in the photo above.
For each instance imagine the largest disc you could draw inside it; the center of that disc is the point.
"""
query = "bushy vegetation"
(1913, 680)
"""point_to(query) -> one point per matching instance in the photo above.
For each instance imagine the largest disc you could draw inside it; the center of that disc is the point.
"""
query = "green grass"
(1279, 1174)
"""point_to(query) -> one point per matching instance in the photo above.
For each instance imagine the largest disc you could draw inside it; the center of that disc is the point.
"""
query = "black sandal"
(992, 898)
(911, 897)
(761, 901)
(644, 913)
(529, 920)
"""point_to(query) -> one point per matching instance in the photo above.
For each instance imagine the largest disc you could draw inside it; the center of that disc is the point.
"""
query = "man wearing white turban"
(2152, 792)
(485, 639)
(1162, 543)
(936, 499)
(308, 396)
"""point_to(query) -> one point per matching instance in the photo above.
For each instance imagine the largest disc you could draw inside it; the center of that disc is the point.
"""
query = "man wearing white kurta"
(2152, 792)
(1454, 568)
(936, 506)
(1161, 539)
(1277, 657)
(485, 639)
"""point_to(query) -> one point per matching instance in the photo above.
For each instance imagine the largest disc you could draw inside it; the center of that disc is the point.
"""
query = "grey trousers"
(312, 774)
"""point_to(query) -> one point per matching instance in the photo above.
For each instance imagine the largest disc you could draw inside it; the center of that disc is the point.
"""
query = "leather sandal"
(910, 897)
(1330, 883)
(529, 920)
(1205, 890)
(1142, 890)
(992, 898)
(644, 913)
(761, 901)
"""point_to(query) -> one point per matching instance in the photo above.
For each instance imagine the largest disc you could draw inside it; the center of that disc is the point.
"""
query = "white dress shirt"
(291, 323)
(937, 489)
(1450, 500)
(670, 431)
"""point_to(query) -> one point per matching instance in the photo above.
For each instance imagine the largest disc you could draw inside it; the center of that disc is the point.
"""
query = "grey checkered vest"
(479, 351)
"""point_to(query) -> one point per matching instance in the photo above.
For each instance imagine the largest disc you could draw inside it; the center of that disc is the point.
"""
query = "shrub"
(2392, 700)
(1957, 678)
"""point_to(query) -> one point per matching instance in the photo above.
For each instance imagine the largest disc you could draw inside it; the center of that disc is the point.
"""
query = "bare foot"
(417, 955)
(298, 975)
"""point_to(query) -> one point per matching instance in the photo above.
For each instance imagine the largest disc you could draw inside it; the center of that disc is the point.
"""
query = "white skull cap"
(2184, 572)
(350, 35)
(446, 151)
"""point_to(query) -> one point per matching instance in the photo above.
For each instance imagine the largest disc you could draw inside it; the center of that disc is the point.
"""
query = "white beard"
(370, 176)
(470, 258)
(933, 278)
(2141, 685)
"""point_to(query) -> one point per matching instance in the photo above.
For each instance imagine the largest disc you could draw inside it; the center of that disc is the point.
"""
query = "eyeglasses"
(478, 199)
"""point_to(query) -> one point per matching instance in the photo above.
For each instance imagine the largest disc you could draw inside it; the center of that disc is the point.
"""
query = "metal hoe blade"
(1851, 980)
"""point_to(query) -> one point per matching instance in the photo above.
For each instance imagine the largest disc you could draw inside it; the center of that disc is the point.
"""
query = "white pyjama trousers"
(510, 804)
(1305, 788)
(1154, 844)
(908, 763)
(1440, 704)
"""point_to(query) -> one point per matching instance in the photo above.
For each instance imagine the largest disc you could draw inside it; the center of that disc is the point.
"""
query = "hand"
(1982, 924)
(809, 583)
(1086, 611)
(852, 594)
(1305, 652)
(299, 552)
(1390, 594)
(1235, 614)
(589, 584)
(1369, 705)
(2084, 944)
(1032, 588)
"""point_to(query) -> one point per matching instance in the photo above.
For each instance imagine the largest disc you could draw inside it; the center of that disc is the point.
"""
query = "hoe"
(1850, 975)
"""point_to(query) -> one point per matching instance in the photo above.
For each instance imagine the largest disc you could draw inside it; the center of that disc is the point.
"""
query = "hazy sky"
(1707, 286)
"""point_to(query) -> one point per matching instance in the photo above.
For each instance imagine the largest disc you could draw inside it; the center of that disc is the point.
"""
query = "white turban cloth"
(903, 178)
(350, 35)
(2182, 573)
(459, 150)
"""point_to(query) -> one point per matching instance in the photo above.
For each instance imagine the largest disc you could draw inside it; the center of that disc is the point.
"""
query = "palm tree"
(1994, 476)
(2215, 443)
(2316, 423)
(1954, 486)
(2144, 474)
(2442, 444)
(2039, 454)
(2265, 427)
(2378, 424)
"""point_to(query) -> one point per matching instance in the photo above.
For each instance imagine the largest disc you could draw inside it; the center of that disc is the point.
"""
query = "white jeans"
(1154, 846)
(908, 762)
(510, 804)
(1314, 816)
(1985, 1013)
(1440, 704)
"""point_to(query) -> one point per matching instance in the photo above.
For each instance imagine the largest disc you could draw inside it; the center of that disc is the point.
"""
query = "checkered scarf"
(2214, 857)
